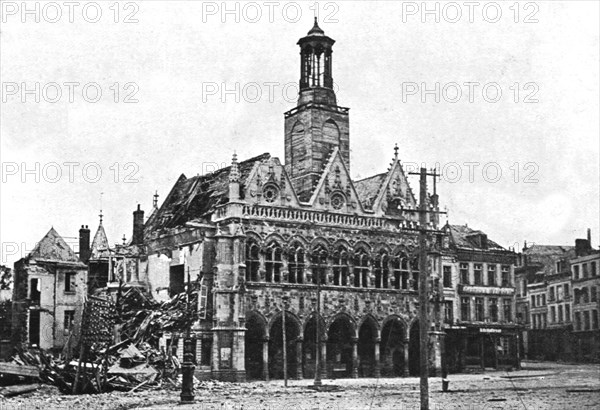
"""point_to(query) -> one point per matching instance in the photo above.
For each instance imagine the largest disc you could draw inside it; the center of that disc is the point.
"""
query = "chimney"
(84, 244)
(582, 247)
(589, 236)
(138, 227)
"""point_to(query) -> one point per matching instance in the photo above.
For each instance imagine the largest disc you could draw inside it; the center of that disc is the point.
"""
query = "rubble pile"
(133, 364)
(145, 320)
(123, 367)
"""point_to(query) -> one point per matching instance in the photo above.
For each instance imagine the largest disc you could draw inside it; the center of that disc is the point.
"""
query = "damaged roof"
(545, 256)
(465, 237)
(368, 188)
(53, 248)
(197, 197)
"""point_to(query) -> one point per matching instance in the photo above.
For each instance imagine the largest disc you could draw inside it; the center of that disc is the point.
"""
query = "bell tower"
(317, 124)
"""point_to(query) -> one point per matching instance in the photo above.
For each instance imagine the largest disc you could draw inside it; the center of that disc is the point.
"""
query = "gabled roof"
(464, 237)
(368, 189)
(53, 248)
(197, 197)
(100, 248)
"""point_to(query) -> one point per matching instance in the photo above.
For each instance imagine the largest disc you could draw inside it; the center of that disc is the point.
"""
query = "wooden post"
(423, 294)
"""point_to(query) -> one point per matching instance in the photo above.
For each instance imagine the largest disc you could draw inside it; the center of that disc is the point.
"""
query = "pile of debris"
(124, 366)
(143, 319)
(102, 365)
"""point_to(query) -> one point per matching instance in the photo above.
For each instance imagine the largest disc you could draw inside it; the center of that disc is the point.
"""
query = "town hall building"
(262, 234)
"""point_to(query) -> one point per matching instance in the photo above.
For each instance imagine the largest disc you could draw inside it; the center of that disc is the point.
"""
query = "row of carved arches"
(348, 349)
(275, 260)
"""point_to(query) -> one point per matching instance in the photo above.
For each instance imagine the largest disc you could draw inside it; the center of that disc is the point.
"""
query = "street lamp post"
(189, 353)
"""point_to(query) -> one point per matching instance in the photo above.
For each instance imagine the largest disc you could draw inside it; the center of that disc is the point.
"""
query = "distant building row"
(558, 301)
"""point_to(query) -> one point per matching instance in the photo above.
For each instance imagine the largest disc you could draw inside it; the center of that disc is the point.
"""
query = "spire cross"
(156, 199)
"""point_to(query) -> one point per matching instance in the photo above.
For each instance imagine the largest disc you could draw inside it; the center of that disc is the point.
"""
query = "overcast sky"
(176, 58)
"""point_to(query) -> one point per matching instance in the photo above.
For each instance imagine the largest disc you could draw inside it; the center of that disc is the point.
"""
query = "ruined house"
(50, 285)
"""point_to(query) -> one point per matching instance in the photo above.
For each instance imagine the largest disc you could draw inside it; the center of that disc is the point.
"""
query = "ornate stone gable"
(269, 184)
(395, 193)
(335, 192)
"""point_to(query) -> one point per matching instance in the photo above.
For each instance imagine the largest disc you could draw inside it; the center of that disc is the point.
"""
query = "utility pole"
(284, 342)
(424, 319)
(317, 382)
(423, 294)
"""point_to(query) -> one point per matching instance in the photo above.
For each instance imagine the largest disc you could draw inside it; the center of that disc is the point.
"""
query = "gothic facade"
(266, 237)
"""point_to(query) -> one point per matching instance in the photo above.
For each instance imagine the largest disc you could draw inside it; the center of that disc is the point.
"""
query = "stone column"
(481, 353)
(324, 372)
(406, 370)
(377, 361)
(463, 353)
(262, 271)
(266, 359)
(354, 358)
(299, 358)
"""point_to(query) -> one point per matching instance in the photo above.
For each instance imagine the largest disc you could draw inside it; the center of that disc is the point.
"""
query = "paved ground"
(537, 386)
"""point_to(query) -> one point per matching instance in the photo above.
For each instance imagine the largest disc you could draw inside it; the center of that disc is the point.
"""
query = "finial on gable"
(396, 152)
(155, 200)
(234, 173)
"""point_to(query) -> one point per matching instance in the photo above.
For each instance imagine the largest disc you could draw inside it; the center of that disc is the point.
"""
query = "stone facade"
(265, 237)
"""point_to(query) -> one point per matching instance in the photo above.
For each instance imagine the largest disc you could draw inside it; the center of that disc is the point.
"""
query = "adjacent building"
(555, 287)
(586, 304)
(479, 302)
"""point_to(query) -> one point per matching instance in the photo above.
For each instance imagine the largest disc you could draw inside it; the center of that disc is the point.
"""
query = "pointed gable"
(268, 183)
(100, 248)
(335, 191)
(394, 192)
(52, 247)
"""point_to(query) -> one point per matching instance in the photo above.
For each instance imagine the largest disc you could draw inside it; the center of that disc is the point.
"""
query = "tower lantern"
(317, 124)
(316, 80)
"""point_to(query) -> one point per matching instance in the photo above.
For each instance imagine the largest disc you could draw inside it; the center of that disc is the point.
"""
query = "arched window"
(273, 263)
(414, 267)
(401, 272)
(296, 264)
(382, 270)
(252, 260)
(297, 147)
(319, 265)
(331, 133)
(361, 268)
(340, 267)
